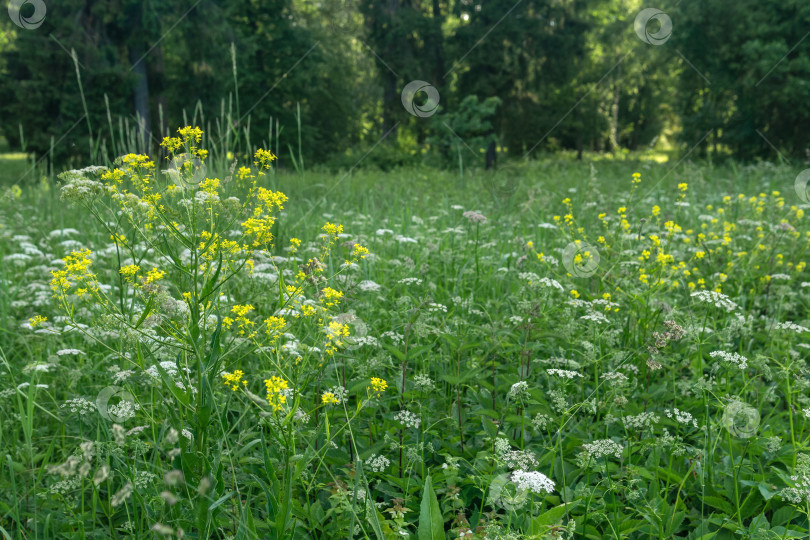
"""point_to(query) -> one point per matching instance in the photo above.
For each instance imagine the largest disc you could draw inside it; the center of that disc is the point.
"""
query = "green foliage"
(465, 132)
(523, 395)
(569, 75)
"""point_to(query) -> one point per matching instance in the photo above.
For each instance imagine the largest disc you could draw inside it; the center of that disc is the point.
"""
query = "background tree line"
(322, 80)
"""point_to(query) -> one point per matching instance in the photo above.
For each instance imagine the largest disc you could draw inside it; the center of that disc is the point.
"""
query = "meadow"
(553, 349)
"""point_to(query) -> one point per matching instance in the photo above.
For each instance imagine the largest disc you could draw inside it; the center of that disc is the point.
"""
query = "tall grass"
(523, 395)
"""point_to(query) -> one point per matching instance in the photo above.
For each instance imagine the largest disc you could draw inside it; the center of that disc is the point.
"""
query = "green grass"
(461, 317)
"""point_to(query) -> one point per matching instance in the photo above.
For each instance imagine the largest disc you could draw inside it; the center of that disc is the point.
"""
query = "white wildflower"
(564, 373)
(601, 448)
(731, 358)
(533, 481)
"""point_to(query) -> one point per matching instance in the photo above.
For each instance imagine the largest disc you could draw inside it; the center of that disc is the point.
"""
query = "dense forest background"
(322, 81)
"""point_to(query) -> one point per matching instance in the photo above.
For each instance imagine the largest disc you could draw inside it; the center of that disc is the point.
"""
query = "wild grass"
(498, 380)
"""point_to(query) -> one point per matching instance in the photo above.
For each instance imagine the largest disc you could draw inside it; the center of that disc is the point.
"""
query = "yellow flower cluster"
(129, 272)
(330, 297)
(244, 325)
(328, 398)
(77, 268)
(335, 333)
(276, 396)
(259, 226)
(295, 243)
(263, 158)
(188, 136)
(378, 385)
(154, 275)
(234, 379)
(274, 327)
(138, 161)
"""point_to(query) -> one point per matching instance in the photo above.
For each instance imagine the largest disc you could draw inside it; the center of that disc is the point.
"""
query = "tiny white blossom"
(564, 373)
(533, 481)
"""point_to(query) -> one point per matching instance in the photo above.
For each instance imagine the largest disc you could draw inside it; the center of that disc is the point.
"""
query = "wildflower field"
(556, 349)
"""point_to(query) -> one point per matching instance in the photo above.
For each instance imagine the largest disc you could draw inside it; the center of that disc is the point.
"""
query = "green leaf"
(766, 492)
(551, 517)
(719, 503)
(396, 352)
(431, 525)
(219, 501)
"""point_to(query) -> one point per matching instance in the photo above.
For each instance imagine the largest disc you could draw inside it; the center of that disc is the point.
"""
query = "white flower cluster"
(681, 416)
(564, 373)
(800, 493)
(519, 390)
(79, 405)
(601, 448)
(410, 281)
(719, 300)
(791, 327)
(502, 445)
(368, 285)
(533, 481)
(552, 283)
(519, 459)
(377, 463)
(123, 411)
(474, 216)
(436, 308)
(408, 419)
(595, 316)
(615, 378)
(69, 352)
(340, 393)
(641, 421)
(423, 382)
(540, 421)
(396, 337)
(731, 358)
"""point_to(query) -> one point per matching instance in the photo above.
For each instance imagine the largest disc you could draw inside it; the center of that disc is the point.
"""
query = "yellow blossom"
(378, 385)
(234, 379)
(37, 320)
